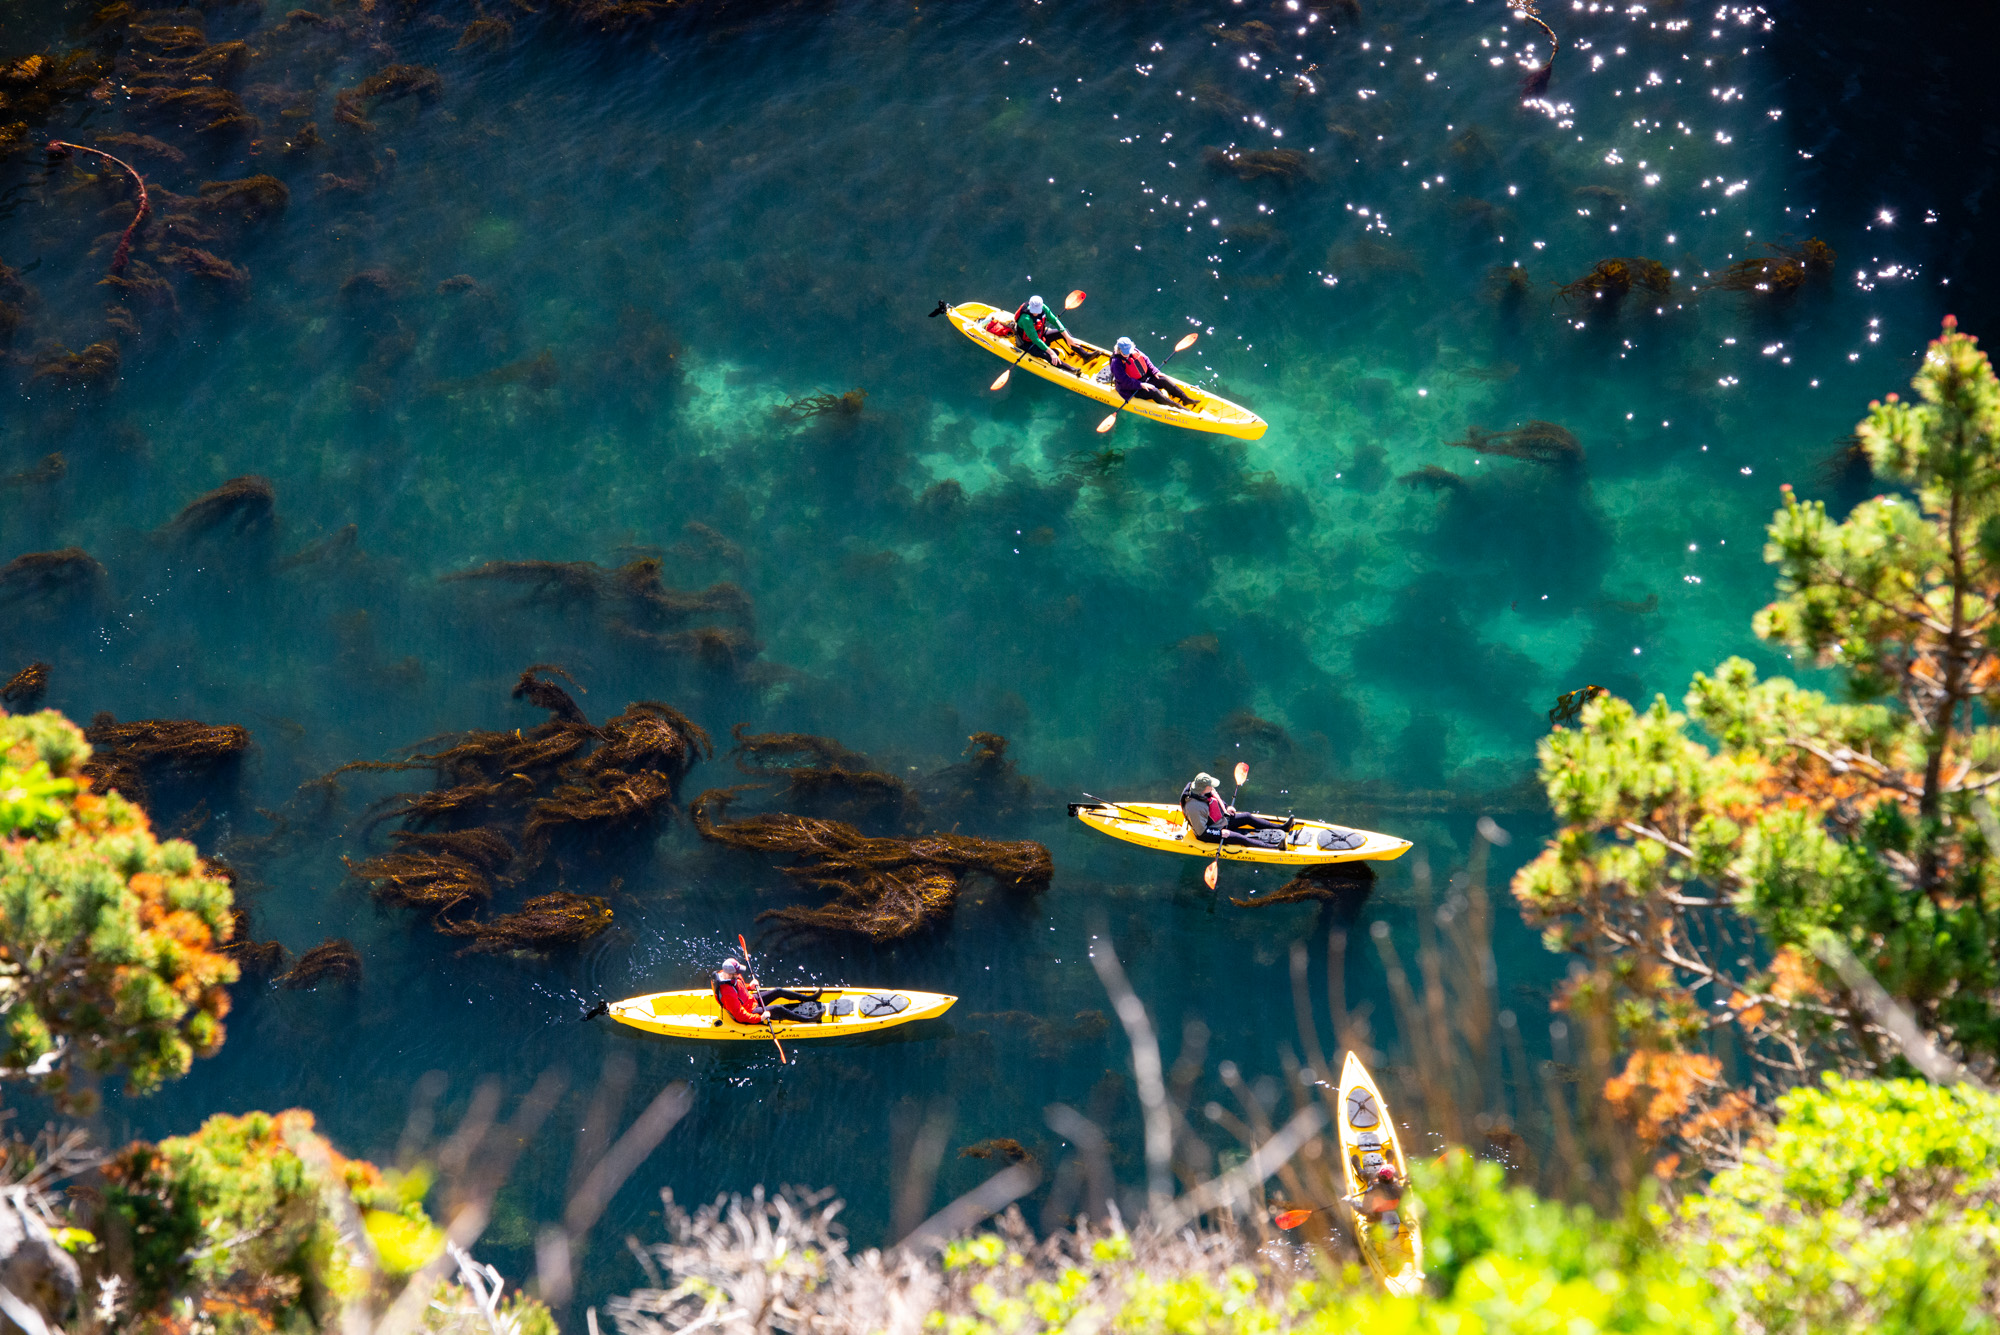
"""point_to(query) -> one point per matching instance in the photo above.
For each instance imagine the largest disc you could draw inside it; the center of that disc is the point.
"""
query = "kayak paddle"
(1187, 341)
(1215, 867)
(1070, 303)
(1293, 1218)
(767, 1016)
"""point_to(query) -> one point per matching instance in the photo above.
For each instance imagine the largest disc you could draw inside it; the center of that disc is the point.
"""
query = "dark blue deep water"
(547, 310)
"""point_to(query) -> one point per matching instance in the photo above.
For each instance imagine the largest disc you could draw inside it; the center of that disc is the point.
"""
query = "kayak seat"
(1336, 839)
(877, 1004)
(1368, 1140)
(844, 1006)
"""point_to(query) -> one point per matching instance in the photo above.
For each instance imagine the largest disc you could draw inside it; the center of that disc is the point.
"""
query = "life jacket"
(734, 998)
(1135, 367)
(1041, 321)
(1194, 806)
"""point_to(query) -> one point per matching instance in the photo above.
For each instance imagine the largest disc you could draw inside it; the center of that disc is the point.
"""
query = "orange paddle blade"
(1187, 341)
(1292, 1218)
(1107, 424)
(1208, 876)
(1000, 381)
(1242, 772)
(1073, 300)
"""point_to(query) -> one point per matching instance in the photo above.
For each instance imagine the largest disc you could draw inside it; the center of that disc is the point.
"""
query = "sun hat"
(1125, 347)
(1034, 305)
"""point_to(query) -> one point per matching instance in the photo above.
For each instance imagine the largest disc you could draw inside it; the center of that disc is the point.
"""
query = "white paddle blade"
(1208, 876)
(1107, 424)
(1242, 772)
(1073, 300)
(1000, 381)
(1187, 341)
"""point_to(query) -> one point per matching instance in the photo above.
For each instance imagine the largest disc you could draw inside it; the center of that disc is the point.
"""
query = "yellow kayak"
(695, 1013)
(1091, 377)
(1313, 843)
(1368, 1140)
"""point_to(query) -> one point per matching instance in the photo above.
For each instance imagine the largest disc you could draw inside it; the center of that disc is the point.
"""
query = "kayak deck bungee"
(1161, 826)
(695, 1013)
(1368, 1140)
(1090, 376)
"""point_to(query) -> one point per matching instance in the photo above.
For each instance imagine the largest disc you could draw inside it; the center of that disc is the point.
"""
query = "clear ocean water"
(548, 311)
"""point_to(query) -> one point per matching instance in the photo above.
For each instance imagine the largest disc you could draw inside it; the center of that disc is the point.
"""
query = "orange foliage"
(1792, 977)
(1656, 1088)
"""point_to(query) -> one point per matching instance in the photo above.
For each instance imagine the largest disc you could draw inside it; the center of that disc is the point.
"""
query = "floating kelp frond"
(721, 649)
(438, 872)
(143, 144)
(1432, 478)
(232, 278)
(767, 749)
(24, 690)
(96, 367)
(333, 960)
(396, 81)
(1784, 271)
(886, 888)
(983, 786)
(494, 34)
(242, 504)
(33, 86)
(543, 923)
(211, 110)
(1611, 279)
(1537, 442)
(60, 149)
(844, 407)
(547, 695)
(256, 959)
(50, 469)
(1340, 882)
(615, 15)
(123, 753)
(1251, 164)
(251, 199)
(999, 1147)
(651, 602)
(563, 581)
(1536, 81)
(36, 575)
(1569, 705)
(1255, 33)
(823, 770)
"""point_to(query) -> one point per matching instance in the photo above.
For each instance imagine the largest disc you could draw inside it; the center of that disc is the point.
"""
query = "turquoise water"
(666, 233)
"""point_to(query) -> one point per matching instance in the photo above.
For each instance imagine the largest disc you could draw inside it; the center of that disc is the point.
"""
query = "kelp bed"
(884, 888)
(504, 800)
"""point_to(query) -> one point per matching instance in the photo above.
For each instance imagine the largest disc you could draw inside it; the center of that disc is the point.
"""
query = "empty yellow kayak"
(1368, 1142)
(1091, 377)
(1312, 843)
(695, 1013)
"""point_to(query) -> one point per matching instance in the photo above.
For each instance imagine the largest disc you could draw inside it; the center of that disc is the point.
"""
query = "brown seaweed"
(1536, 81)
(343, 542)
(1536, 441)
(37, 575)
(96, 367)
(24, 690)
(1432, 478)
(333, 960)
(885, 888)
(1609, 281)
(438, 872)
(1339, 882)
(242, 505)
(820, 770)
(257, 959)
(543, 923)
(1250, 164)
(251, 199)
(123, 755)
(547, 695)
(985, 782)
(60, 149)
(999, 1147)
(1783, 272)
(49, 470)
(33, 86)
(844, 408)
(494, 34)
(232, 278)
(1569, 705)
(393, 82)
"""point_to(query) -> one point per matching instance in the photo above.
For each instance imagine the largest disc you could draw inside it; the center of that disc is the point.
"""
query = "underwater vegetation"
(820, 771)
(352, 106)
(999, 1147)
(985, 786)
(35, 576)
(241, 505)
(33, 86)
(1569, 705)
(1432, 478)
(884, 888)
(1536, 441)
(841, 407)
(333, 960)
(61, 149)
(1536, 81)
(96, 367)
(1339, 882)
(503, 799)
(24, 690)
(1251, 164)
(1609, 281)
(1782, 272)
(123, 755)
(260, 959)
(49, 470)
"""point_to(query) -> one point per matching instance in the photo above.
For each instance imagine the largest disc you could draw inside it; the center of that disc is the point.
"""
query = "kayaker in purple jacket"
(1135, 376)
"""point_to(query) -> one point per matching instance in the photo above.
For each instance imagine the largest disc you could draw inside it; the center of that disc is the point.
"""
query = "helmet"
(1034, 305)
(732, 965)
(1125, 347)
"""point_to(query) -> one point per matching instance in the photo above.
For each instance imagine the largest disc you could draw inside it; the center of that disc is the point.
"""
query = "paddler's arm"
(1055, 320)
(1025, 327)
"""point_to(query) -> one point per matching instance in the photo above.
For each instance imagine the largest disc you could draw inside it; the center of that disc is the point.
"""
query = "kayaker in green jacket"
(1036, 326)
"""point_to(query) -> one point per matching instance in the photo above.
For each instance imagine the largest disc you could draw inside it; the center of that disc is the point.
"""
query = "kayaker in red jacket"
(1380, 1202)
(1133, 372)
(737, 993)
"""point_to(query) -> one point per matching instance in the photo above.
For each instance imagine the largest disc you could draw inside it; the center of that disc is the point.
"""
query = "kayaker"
(737, 992)
(1036, 327)
(1379, 1203)
(1214, 821)
(1135, 376)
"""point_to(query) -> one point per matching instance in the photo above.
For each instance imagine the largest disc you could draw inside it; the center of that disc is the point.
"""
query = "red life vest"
(1041, 322)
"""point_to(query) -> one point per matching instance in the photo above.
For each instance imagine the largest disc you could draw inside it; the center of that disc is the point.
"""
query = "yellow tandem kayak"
(1160, 825)
(1368, 1140)
(694, 1013)
(1091, 377)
